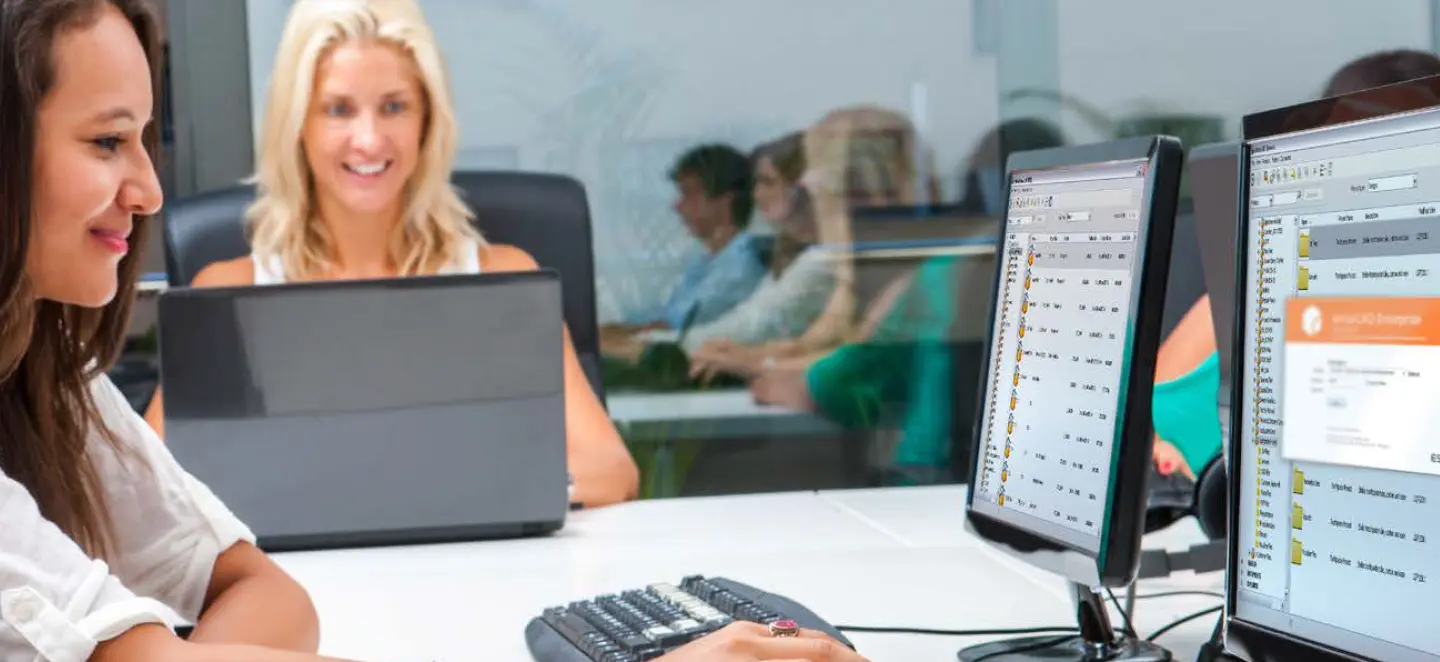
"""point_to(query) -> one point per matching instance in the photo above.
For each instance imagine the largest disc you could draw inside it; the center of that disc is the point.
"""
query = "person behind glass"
(104, 534)
(855, 157)
(1187, 368)
(714, 201)
(781, 200)
(356, 149)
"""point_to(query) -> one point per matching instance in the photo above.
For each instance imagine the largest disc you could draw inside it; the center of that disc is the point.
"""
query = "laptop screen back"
(374, 407)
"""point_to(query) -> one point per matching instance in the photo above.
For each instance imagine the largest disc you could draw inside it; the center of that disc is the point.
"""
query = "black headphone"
(1211, 504)
(1177, 497)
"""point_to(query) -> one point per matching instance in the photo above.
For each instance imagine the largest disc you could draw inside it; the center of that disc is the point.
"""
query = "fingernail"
(1166, 467)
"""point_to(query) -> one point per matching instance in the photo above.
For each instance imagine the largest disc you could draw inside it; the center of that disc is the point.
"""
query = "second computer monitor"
(1063, 439)
(1334, 452)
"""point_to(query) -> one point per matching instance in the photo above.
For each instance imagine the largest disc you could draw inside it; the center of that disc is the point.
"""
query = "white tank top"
(270, 271)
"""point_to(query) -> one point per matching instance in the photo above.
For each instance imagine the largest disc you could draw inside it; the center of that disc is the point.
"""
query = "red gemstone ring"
(784, 628)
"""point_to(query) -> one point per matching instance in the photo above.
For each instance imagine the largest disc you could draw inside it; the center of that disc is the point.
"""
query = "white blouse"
(779, 308)
(57, 603)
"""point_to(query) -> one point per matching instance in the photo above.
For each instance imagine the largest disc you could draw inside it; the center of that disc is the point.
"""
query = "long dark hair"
(49, 352)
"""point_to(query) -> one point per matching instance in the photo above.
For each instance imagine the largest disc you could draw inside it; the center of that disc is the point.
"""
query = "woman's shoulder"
(226, 273)
(504, 257)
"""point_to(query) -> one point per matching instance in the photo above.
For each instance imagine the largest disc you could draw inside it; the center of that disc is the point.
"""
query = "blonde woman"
(860, 156)
(354, 161)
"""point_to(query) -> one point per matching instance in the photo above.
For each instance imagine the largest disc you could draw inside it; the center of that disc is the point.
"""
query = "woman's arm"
(220, 274)
(603, 469)
(251, 600)
(1189, 344)
(155, 643)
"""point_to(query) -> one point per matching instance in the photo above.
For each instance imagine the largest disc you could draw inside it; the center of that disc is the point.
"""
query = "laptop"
(1215, 187)
(401, 411)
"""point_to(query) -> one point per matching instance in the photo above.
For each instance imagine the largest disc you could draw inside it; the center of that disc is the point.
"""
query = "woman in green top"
(901, 374)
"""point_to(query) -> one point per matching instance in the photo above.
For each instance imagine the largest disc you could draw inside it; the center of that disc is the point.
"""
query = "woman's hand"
(1169, 460)
(720, 356)
(751, 642)
(785, 387)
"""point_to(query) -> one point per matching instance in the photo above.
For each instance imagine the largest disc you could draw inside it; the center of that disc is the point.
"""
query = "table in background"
(890, 557)
(663, 419)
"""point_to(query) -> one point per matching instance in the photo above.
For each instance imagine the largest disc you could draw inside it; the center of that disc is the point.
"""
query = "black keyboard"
(644, 624)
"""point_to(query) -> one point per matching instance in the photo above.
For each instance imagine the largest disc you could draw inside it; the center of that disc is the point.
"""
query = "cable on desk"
(1129, 629)
(1168, 594)
(1024, 649)
(997, 632)
(1181, 621)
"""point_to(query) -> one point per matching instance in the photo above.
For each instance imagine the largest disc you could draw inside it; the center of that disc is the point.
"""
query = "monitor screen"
(1339, 368)
(1052, 400)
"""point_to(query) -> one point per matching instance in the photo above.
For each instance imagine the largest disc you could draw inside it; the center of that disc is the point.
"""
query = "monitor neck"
(1094, 620)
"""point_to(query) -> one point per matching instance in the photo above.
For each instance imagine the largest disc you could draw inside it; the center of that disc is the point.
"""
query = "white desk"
(870, 557)
(932, 517)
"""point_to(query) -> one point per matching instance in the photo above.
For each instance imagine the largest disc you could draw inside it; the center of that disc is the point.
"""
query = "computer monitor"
(1063, 436)
(1335, 454)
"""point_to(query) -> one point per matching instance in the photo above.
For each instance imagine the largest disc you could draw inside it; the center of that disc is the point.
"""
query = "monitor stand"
(1097, 641)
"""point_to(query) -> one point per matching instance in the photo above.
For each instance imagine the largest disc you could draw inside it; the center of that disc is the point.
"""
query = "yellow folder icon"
(1019, 355)
(1012, 402)
(1017, 377)
(1022, 328)
(1303, 280)
(1304, 243)
(1297, 517)
(1298, 481)
(1010, 429)
(1297, 552)
(1024, 307)
(1007, 451)
(1027, 282)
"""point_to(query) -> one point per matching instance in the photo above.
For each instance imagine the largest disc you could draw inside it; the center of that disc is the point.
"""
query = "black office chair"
(547, 215)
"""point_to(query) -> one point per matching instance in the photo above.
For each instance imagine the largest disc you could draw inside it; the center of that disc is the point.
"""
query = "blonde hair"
(854, 156)
(435, 222)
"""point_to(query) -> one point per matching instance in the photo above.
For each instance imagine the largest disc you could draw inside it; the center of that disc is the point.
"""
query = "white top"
(779, 308)
(56, 602)
(270, 271)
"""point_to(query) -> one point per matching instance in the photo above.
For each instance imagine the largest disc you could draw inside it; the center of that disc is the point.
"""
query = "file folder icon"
(1304, 243)
(1298, 482)
(1017, 377)
(1297, 552)
(1303, 280)
(1297, 518)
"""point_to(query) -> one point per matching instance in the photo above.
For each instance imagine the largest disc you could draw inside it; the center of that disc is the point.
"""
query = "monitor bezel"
(1252, 641)
(1117, 562)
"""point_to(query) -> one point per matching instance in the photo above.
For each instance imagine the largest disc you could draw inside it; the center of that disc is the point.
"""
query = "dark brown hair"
(49, 352)
(1383, 68)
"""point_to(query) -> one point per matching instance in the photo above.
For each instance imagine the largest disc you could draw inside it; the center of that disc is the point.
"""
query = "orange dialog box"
(1362, 382)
